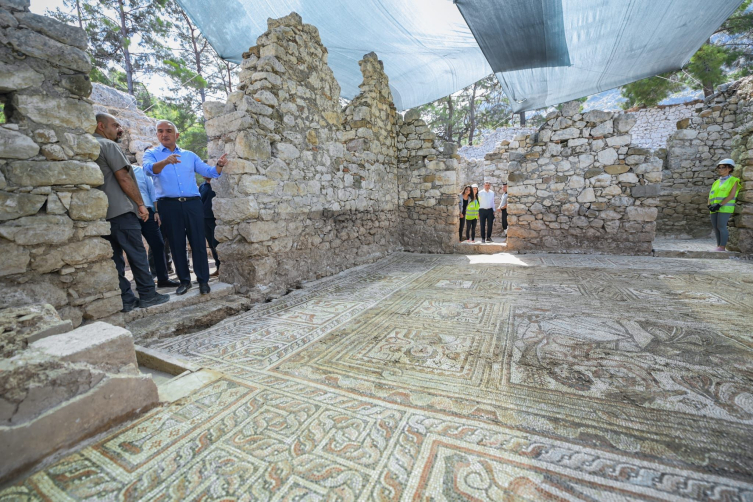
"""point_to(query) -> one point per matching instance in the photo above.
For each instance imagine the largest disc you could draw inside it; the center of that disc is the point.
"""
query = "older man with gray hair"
(179, 204)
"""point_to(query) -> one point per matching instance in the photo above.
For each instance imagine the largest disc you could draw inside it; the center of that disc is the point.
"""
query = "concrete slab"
(163, 362)
(186, 384)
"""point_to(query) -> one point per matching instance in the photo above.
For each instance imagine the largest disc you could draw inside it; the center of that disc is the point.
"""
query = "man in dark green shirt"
(125, 209)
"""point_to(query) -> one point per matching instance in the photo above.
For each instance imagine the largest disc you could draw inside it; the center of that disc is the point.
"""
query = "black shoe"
(489, 240)
(157, 299)
(168, 284)
(183, 288)
(204, 288)
(483, 241)
(127, 307)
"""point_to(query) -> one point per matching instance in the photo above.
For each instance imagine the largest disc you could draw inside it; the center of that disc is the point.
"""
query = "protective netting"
(543, 52)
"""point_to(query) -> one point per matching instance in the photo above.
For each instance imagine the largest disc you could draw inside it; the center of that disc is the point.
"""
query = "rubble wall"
(654, 126)
(310, 189)
(51, 216)
(583, 187)
(139, 130)
(428, 182)
(699, 142)
(741, 236)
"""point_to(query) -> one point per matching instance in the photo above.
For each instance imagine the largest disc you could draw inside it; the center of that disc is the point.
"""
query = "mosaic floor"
(487, 377)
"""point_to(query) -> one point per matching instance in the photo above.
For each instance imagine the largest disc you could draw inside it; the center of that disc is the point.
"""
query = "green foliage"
(460, 116)
(649, 91)
(706, 67)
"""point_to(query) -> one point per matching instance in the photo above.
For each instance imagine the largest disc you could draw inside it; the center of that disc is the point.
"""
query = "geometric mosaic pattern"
(426, 377)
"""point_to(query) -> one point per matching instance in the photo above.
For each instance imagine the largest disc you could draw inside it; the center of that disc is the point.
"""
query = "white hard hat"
(726, 162)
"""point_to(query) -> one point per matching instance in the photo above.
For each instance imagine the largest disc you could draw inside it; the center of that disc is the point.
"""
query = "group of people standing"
(478, 206)
(161, 202)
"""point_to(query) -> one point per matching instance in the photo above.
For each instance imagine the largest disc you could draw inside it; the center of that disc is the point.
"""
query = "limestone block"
(597, 116)
(617, 169)
(686, 134)
(602, 129)
(26, 324)
(564, 134)
(521, 190)
(608, 156)
(40, 229)
(63, 33)
(642, 213)
(653, 165)
(587, 195)
(46, 173)
(619, 141)
(628, 178)
(231, 211)
(100, 344)
(601, 181)
(15, 259)
(251, 146)
(87, 251)
(83, 144)
(32, 292)
(39, 46)
(286, 151)
(96, 278)
(213, 109)
(256, 184)
(61, 112)
(239, 166)
(646, 190)
(611, 191)
(624, 122)
(570, 108)
(13, 78)
(411, 115)
(261, 231)
(16, 205)
(14, 145)
(88, 205)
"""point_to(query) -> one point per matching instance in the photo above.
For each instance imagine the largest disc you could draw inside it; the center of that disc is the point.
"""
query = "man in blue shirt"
(151, 232)
(179, 204)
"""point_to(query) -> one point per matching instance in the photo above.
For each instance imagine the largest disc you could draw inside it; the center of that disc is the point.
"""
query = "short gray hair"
(168, 122)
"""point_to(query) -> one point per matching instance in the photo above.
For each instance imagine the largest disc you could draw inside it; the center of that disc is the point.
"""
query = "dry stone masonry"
(720, 129)
(583, 187)
(654, 126)
(51, 217)
(310, 189)
(139, 130)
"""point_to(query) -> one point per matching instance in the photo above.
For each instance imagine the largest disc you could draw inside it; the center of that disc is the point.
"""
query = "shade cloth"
(543, 52)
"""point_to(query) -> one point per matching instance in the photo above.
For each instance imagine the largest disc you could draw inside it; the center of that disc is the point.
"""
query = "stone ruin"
(312, 189)
(51, 217)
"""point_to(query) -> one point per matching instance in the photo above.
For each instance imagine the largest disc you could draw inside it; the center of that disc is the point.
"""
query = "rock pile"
(50, 215)
(583, 187)
(139, 130)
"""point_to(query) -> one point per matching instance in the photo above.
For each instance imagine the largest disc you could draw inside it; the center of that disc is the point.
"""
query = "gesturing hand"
(222, 161)
(156, 218)
(173, 159)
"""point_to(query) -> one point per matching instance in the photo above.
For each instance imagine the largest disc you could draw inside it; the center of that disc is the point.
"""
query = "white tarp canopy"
(543, 52)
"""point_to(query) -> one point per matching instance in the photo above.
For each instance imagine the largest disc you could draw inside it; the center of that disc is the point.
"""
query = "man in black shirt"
(207, 194)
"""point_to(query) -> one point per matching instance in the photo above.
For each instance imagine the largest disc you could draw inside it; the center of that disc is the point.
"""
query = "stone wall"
(50, 215)
(697, 144)
(428, 183)
(741, 236)
(139, 130)
(310, 190)
(583, 187)
(654, 126)
(491, 140)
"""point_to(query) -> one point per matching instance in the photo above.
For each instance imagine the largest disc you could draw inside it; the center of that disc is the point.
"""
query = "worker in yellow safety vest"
(722, 201)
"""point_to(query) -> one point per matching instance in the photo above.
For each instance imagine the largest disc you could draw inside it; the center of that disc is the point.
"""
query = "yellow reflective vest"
(721, 190)
(471, 211)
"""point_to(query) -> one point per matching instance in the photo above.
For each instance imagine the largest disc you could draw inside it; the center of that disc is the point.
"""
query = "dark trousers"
(181, 220)
(209, 225)
(460, 233)
(486, 219)
(125, 237)
(504, 219)
(151, 232)
(168, 260)
(470, 229)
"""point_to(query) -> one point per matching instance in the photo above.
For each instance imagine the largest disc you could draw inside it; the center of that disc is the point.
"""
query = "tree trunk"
(522, 116)
(708, 88)
(448, 134)
(78, 11)
(472, 118)
(196, 54)
(124, 45)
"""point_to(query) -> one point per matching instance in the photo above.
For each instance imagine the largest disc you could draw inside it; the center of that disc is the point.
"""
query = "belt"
(179, 199)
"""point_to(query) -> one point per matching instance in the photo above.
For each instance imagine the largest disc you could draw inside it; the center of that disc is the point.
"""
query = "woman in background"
(471, 216)
(722, 201)
(462, 204)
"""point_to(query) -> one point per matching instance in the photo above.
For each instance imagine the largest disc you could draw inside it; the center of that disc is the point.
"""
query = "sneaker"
(483, 241)
(127, 307)
(489, 240)
(157, 299)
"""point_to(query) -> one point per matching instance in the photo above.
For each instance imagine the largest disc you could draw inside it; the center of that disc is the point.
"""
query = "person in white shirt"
(486, 211)
(503, 208)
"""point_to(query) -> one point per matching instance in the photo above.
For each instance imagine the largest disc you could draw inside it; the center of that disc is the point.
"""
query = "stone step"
(192, 297)
(190, 318)
(498, 246)
(684, 253)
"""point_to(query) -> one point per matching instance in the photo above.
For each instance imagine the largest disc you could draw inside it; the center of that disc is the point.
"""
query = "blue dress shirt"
(146, 187)
(176, 180)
